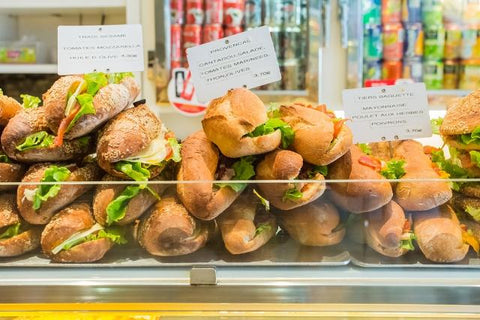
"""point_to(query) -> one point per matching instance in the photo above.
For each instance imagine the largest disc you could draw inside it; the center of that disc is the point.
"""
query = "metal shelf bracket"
(203, 276)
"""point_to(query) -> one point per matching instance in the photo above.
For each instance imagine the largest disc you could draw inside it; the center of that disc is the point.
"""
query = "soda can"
(177, 11)
(413, 69)
(213, 11)
(233, 12)
(453, 41)
(391, 11)
(372, 42)
(393, 38)
(451, 71)
(175, 44)
(392, 70)
(253, 13)
(191, 37)
(432, 12)
(412, 11)
(470, 48)
(469, 74)
(372, 70)
(433, 74)
(195, 12)
(212, 32)
(434, 46)
(413, 40)
(230, 31)
(372, 12)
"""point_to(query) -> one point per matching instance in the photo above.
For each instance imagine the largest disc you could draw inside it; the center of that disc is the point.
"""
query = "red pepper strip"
(337, 127)
(373, 163)
(322, 108)
(406, 226)
(169, 135)
(62, 129)
(429, 149)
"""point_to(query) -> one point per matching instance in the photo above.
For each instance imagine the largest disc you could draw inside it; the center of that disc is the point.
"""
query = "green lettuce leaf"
(95, 81)
(365, 148)
(270, 126)
(292, 194)
(323, 170)
(30, 101)
(453, 170)
(176, 148)
(244, 170)
(118, 207)
(119, 76)
(273, 111)
(394, 169)
(262, 228)
(41, 139)
(264, 201)
(4, 158)
(86, 107)
(11, 231)
(116, 234)
(44, 192)
(473, 212)
(408, 243)
(435, 124)
(473, 137)
(475, 157)
(133, 170)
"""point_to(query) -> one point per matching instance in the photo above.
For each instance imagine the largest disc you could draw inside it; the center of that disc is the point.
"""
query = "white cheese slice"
(73, 98)
(76, 236)
(155, 153)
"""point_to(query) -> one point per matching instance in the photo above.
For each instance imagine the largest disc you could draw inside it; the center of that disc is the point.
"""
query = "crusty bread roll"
(463, 117)
(419, 195)
(26, 240)
(316, 224)
(126, 135)
(286, 165)
(106, 193)
(245, 225)
(66, 195)
(10, 172)
(314, 134)
(75, 218)
(200, 160)
(9, 107)
(30, 121)
(384, 230)
(358, 197)
(439, 234)
(230, 118)
(169, 230)
(108, 102)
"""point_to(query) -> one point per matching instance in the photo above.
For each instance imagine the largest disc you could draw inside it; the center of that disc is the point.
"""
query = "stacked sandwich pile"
(172, 199)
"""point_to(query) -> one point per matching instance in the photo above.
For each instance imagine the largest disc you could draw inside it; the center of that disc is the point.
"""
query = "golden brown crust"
(66, 195)
(9, 107)
(463, 117)
(30, 121)
(314, 134)
(229, 118)
(419, 195)
(137, 206)
(471, 189)
(75, 218)
(8, 210)
(10, 172)
(358, 197)
(170, 231)
(286, 165)
(24, 242)
(199, 162)
(384, 230)
(439, 235)
(239, 223)
(313, 224)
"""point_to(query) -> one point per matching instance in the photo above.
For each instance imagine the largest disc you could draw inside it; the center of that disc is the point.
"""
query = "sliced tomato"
(430, 149)
(169, 135)
(470, 240)
(371, 162)
(337, 127)
(169, 152)
(64, 125)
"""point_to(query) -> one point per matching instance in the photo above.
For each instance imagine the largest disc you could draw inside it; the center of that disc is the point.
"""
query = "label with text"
(105, 48)
(247, 59)
(388, 113)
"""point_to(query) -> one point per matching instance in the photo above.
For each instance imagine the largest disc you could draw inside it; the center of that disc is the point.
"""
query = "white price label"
(388, 113)
(247, 59)
(105, 48)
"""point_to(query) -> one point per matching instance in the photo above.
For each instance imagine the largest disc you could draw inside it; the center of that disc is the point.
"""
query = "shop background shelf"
(61, 6)
(28, 68)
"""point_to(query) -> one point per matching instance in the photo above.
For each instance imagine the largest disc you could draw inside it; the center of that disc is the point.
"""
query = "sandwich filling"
(295, 193)
(270, 127)
(469, 238)
(96, 232)
(10, 231)
(30, 101)
(80, 99)
(4, 158)
(46, 191)
(406, 240)
(242, 169)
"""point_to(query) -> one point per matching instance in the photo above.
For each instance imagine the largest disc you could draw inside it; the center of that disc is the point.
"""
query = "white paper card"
(247, 59)
(387, 113)
(105, 48)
